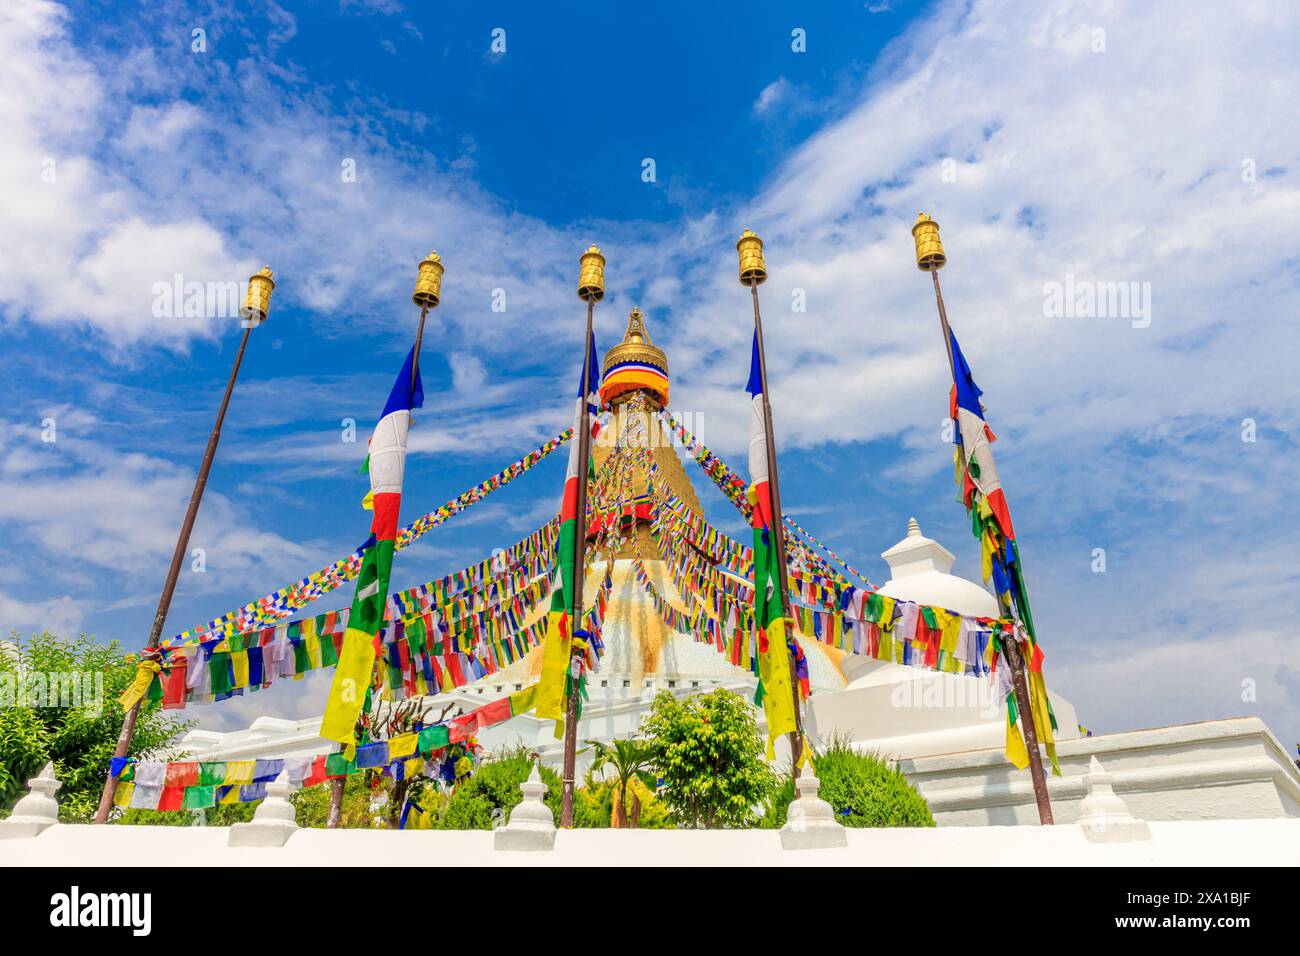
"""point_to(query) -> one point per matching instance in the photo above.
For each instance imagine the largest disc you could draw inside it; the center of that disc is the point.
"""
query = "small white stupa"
(902, 711)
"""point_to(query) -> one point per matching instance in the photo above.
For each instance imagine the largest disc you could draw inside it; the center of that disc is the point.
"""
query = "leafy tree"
(494, 786)
(36, 725)
(709, 754)
(627, 758)
(864, 790)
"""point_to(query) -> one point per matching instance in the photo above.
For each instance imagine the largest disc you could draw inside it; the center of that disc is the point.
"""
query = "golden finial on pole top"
(428, 284)
(929, 250)
(257, 301)
(591, 275)
(753, 269)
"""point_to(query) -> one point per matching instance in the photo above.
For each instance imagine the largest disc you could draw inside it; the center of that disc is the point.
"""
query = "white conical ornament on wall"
(810, 822)
(37, 811)
(532, 824)
(1104, 817)
(274, 820)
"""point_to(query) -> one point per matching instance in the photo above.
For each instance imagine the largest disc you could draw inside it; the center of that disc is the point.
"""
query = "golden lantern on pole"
(591, 275)
(753, 269)
(257, 301)
(428, 282)
(929, 249)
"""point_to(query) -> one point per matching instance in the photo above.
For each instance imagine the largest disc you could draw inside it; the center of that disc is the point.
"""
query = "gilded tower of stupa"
(641, 650)
(635, 387)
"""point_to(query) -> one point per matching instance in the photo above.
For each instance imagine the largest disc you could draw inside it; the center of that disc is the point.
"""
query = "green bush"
(864, 790)
(495, 785)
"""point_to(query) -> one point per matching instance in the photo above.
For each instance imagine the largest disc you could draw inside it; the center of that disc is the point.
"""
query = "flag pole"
(256, 304)
(753, 273)
(428, 290)
(591, 289)
(930, 257)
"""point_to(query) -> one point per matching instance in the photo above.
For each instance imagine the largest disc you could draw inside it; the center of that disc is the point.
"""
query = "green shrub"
(864, 790)
(494, 785)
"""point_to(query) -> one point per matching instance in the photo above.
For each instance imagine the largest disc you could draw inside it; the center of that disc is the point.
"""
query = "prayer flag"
(386, 464)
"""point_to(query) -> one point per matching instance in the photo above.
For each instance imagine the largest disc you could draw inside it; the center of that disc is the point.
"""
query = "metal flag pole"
(428, 290)
(930, 257)
(753, 273)
(257, 302)
(591, 289)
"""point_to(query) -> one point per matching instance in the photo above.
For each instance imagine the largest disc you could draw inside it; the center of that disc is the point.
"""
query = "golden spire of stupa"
(635, 364)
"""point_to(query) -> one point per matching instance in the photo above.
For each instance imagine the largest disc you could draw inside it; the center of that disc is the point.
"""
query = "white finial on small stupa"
(913, 528)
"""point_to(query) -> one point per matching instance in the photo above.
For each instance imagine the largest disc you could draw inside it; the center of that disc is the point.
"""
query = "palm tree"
(628, 758)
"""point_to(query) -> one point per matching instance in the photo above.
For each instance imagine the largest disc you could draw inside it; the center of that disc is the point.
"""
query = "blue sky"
(1055, 142)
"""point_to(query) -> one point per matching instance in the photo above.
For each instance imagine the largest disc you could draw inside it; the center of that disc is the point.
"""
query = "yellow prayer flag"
(144, 674)
(522, 701)
(1043, 719)
(1016, 752)
(122, 796)
(239, 771)
(348, 691)
(403, 745)
(555, 666)
(778, 696)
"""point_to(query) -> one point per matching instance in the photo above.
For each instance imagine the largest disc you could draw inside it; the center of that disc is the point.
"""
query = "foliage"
(593, 805)
(493, 786)
(864, 790)
(222, 815)
(81, 739)
(708, 752)
(312, 804)
(627, 758)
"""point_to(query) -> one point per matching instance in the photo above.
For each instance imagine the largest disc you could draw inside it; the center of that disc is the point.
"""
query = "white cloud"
(89, 510)
(90, 249)
(772, 95)
(61, 615)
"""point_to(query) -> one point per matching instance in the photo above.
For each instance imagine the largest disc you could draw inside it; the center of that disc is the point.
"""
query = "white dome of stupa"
(921, 571)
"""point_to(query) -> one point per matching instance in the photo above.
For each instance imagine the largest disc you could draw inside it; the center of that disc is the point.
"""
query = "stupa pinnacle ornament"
(635, 363)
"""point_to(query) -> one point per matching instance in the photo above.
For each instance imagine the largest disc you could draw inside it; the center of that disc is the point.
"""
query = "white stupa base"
(1216, 770)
